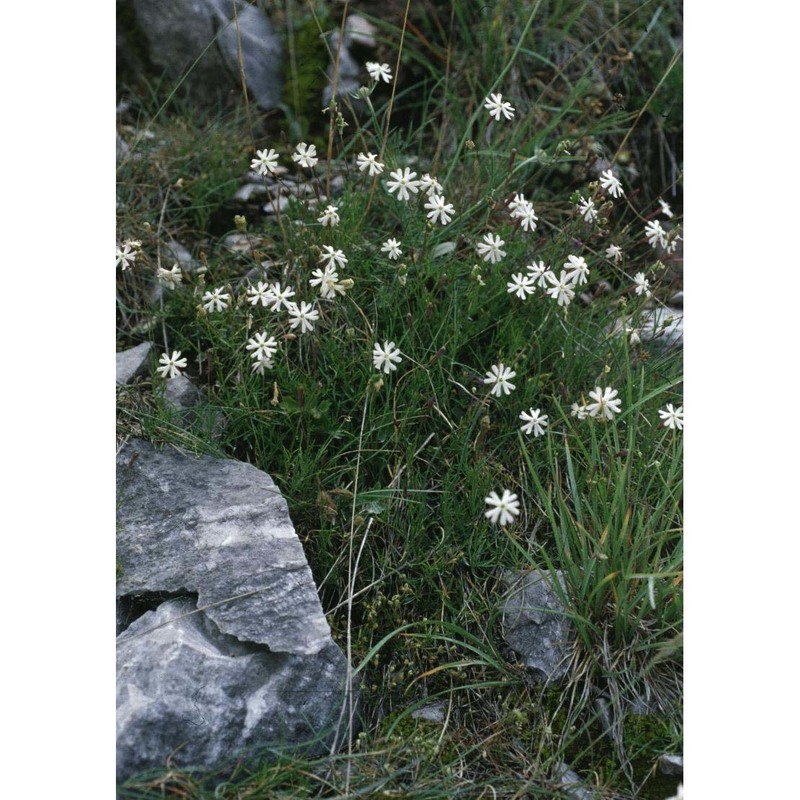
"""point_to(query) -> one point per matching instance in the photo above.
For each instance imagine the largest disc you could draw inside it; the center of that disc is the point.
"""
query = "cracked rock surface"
(234, 655)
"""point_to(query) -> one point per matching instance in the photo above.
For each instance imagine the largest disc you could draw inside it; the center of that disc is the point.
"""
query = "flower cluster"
(330, 217)
(604, 405)
(379, 71)
(560, 285)
(503, 509)
(370, 164)
(672, 417)
(392, 248)
(386, 357)
(171, 278)
(216, 300)
(490, 248)
(496, 106)
(610, 183)
(499, 378)
(263, 349)
(403, 182)
(522, 209)
(535, 422)
(305, 155)
(439, 211)
(586, 209)
(265, 162)
(127, 252)
(171, 365)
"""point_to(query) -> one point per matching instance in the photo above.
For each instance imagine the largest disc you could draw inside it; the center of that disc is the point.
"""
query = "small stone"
(181, 393)
(571, 783)
(433, 712)
(133, 362)
(535, 622)
(671, 765)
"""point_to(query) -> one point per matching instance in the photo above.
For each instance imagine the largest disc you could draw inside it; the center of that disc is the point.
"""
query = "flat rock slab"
(220, 529)
(223, 651)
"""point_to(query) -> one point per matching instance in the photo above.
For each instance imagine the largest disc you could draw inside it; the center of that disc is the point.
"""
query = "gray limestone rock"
(191, 694)
(571, 784)
(196, 42)
(219, 528)
(663, 326)
(260, 52)
(535, 623)
(223, 648)
(671, 765)
(133, 362)
(659, 326)
(181, 393)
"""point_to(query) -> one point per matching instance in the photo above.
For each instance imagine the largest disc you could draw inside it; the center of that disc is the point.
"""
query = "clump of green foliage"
(386, 472)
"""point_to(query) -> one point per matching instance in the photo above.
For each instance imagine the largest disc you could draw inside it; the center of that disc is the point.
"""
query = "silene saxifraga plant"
(443, 355)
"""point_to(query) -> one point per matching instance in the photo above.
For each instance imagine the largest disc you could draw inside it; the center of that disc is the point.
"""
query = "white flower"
(439, 210)
(577, 270)
(330, 217)
(521, 285)
(303, 315)
(505, 507)
(489, 249)
(370, 162)
(496, 106)
(642, 284)
(386, 357)
(665, 208)
(579, 411)
(392, 247)
(265, 162)
(614, 253)
(539, 272)
(379, 71)
(306, 155)
(604, 403)
(561, 290)
(125, 256)
(262, 364)
(216, 300)
(171, 278)
(327, 281)
(260, 294)
(430, 185)
(171, 365)
(527, 216)
(655, 234)
(403, 181)
(535, 421)
(587, 210)
(634, 338)
(262, 347)
(332, 256)
(500, 379)
(518, 202)
(611, 183)
(280, 297)
(672, 243)
(672, 417)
